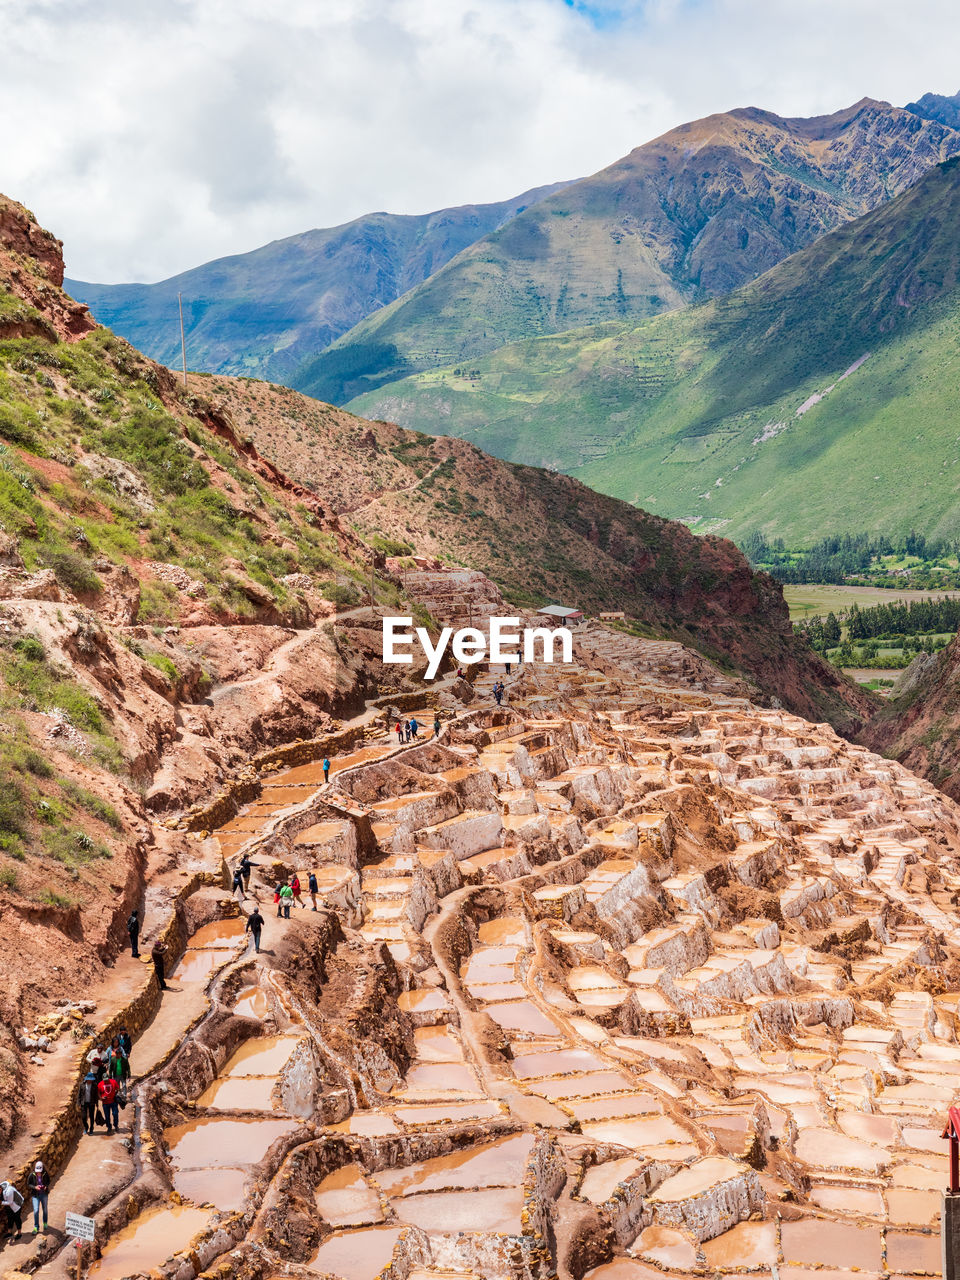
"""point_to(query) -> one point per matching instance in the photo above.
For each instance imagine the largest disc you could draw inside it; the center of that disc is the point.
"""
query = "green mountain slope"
(263, 313)
(693, 214)
(821, 397)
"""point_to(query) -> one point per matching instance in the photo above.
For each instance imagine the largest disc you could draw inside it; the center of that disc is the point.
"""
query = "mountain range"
(743, 309)
(261, 314)
(818, 397)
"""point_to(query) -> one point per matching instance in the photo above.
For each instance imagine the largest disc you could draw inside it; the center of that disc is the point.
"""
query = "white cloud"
(157, 135)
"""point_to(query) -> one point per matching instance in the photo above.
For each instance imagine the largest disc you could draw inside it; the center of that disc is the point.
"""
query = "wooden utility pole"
(183, 341)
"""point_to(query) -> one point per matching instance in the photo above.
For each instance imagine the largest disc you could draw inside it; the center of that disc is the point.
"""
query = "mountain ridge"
(262, 312)
(692, 214)
(712, 413)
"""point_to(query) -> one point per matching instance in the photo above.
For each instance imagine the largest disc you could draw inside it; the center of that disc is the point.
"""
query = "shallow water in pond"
(440, 1078)
(244, 1093)
(219, 933)
(916, 1175)
(366, 1124)
(346, 1199)
(907, 1252)
(521, 1015)
(214, 1142)
(666, 1246)
(749, 1244)
(356, 1255)
(624, 1269)
(223, 1188)
(414, 1114)
(149, 1240)
(437, 1044)
(859, 1200)
(556, 1062)
(263, 1056)
(490, 1164)
(443, 1211)
(831, 1244)
(913, 1208)
(496, 990)
(600, 1181)
(828, 1149)
(423, 1000)
(252, 1002)
(320, 833)
(879, 1129)
(197, 966)
(639, 1132)
(582, 1086)
(624, 1104)
(509, 930)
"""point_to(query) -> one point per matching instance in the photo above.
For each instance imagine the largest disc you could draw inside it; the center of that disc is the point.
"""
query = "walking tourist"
(286, 897)
(88, 1101)
(398, 729)
(245, 865)
(326, 769)
(295, 886)
(133, 929)
(38, 1184)
(255, 927)
(436, 725)
(313, 888)
(158, 953)
(414, 727)
(12, 1202)
(108, 1092)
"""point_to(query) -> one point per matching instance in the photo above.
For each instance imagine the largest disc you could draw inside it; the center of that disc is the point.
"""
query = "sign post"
(81, 1229)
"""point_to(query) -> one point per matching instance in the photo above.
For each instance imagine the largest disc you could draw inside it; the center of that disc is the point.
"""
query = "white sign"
(470, 643)
(79, 1227)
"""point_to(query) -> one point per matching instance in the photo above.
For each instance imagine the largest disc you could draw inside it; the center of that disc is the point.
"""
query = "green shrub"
(31, 648)
(93, 804)
(390, 546)
(75, 572)
(340, 594)
(13, 808)
(158, 602)
(9, 878)
(160, 662)
(52, 899)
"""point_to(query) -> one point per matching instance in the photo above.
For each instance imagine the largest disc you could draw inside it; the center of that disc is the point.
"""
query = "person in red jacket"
(109, 1091)
(295, 886)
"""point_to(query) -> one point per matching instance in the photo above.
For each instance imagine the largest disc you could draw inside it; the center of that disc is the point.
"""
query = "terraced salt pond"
(664, 958)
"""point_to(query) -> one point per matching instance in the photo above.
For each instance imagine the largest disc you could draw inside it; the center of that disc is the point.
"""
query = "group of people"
(499, 689)
(102, 1093)
(290, 891)
(407, 730)
(38, 1187)
(103, 1090)
(287, 893)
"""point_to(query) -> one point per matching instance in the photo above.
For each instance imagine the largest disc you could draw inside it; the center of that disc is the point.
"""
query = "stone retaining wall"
(241, 791)
(64, 1129)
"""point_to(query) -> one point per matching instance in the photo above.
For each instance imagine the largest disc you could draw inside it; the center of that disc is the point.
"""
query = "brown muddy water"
(149, 1240)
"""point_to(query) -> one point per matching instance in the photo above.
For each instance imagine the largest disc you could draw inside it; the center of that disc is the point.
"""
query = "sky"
(157, 135)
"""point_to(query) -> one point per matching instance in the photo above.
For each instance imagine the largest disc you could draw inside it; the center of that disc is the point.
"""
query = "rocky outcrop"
(919, 724)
